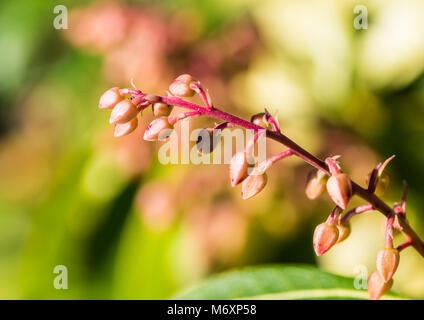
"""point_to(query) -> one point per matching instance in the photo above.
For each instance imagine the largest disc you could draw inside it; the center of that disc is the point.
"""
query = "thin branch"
(365, 194)
(404, 245)
(203, 95)
(360, 209)
(272, 121)
(389, 232)
(277, 157)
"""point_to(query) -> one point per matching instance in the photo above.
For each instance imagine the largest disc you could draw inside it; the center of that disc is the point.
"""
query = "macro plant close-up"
(212, 150)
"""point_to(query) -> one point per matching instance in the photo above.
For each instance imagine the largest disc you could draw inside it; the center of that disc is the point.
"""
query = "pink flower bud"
(339, 188)
(376, 285)
(122, 129)
(344, 231)
(110, 98)
(161, 109)
(238, 168)
(186, 78)
(156, 128)
(315, 184)
(387, 263)
(260, 119)
(253, 184)
(180, 89)
(123, 112)
(325, 236)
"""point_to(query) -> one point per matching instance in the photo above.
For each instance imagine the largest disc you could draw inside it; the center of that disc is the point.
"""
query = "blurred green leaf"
(277, 282)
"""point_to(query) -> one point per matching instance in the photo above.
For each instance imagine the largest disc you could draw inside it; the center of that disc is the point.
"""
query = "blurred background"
(127, 226)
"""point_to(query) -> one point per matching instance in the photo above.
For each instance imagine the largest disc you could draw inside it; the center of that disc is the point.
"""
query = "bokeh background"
(128, 227)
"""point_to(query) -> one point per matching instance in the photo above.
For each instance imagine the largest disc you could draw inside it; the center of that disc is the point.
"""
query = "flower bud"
(181, 86)
(339, 188)
(161, 109)
(238, 168)
(122, 129)
(253, 184)
(156, 128)
(260, 120)
(315, 184)
(110, 98)
(123, 112)
(325, 236)
(376, 285)
(344, 231)
(387, 263)
(186, 78)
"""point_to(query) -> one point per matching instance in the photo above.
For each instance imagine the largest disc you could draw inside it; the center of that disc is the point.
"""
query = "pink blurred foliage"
(150, 45)
(219, 230)
(98, 27)
(155, 201)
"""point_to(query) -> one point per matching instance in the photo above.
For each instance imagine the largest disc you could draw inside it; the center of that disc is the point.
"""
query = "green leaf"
(277, 282)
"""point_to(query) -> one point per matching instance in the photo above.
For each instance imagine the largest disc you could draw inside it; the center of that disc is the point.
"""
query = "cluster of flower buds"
(124, 112)
(125, 109)
(330, 232)
(255, 181)
(381, 280)
(338, 184)
(339, 188)
(252, 183)
(127, 103)
(337, 228)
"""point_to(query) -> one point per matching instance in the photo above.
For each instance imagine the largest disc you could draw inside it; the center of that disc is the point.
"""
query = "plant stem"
(365, 194)
(360, 209)
(389, 233)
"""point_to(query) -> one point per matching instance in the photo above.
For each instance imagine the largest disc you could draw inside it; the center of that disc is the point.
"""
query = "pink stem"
(370, 197)
(332, 165)
(138, 99)
(251, 143)
(360, 209)
(223, 125)
(277, 157)
(277, 136)
(127, 91)
(143, 105)
(404, 245)
(389, 232)
(181, 116)
(272, 121)
(199, 90)
(333, 215)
